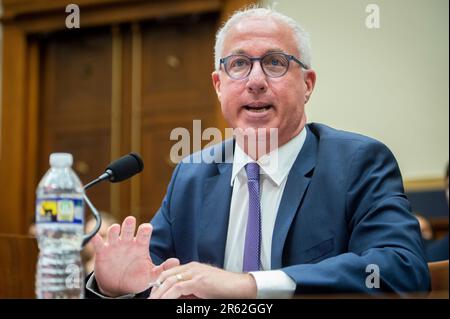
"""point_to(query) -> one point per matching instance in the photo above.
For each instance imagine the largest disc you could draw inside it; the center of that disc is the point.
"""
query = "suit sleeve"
(385, 252)
(161, 242)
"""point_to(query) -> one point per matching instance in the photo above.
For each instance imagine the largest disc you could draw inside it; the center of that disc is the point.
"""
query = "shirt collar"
(276, 165)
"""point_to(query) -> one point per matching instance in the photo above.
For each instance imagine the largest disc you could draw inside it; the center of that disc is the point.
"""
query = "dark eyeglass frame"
(253, 59)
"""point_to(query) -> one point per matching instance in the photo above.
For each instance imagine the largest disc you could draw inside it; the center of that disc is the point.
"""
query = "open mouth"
(258, 109)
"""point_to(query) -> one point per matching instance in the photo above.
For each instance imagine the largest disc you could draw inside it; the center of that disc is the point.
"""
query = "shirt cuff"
(91, 285)
(273, 284)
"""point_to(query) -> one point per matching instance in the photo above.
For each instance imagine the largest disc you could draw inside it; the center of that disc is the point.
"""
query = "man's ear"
(310, 81)
(216, 83)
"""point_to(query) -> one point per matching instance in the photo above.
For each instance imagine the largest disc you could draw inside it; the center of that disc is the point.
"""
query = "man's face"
(285, 96)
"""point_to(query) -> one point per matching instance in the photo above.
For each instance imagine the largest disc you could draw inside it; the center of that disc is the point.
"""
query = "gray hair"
(301, 36)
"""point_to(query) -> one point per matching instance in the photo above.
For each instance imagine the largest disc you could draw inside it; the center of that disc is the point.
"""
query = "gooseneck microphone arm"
(98, 221)
(119, 170)
(101, 178)
(97, 216)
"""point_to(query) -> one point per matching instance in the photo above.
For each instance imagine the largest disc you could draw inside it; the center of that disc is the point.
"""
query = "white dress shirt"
(274, 170)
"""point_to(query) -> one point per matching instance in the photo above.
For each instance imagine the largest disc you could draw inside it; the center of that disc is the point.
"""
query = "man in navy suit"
(331, 218)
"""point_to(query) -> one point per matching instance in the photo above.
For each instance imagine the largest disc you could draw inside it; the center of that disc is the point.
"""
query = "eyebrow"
(242, 51)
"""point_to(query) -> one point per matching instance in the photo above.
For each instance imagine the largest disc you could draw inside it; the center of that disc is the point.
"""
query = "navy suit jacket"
(343, 210)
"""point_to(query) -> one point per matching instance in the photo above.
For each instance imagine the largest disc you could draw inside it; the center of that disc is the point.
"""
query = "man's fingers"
(98, 243)
(170, 263)
(157, 292)
(183, 288)
(143, 234)
(113, 234)
(173, 278)
(174, 270)
(128, 228)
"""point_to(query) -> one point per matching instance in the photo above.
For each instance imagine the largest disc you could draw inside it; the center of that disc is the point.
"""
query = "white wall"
(390, 83)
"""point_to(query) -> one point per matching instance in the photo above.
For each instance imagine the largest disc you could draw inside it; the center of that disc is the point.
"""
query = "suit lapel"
(296, 186)
(214, 215)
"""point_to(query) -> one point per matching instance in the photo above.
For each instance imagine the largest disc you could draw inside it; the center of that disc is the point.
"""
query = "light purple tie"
(252, 248)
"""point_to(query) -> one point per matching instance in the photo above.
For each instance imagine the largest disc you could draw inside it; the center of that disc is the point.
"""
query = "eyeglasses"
(274, 64)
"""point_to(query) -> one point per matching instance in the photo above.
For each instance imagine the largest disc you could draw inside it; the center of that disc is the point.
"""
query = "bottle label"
(59, 210)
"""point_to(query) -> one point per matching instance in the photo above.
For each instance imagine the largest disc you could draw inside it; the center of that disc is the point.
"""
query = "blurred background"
(135, 70)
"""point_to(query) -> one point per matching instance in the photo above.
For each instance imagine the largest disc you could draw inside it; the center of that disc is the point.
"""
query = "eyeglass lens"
(273, 65)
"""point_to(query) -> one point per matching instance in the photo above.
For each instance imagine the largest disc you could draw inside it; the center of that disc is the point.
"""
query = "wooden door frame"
(21, 20)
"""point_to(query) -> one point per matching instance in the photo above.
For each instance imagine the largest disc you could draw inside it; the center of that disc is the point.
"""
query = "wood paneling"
(98, 13)
(136, 110)
(116, 112)
(32, 131)
(159, 168)
(439, 276)
(177, 75)
(60, 93)
(13, 137)
(76, 103)
(176, 89)
(18, 259)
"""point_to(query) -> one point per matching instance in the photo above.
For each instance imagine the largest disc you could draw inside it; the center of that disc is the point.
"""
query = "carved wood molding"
(35, 18)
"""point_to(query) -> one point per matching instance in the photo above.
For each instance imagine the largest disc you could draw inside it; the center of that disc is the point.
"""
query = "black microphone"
(121, 169)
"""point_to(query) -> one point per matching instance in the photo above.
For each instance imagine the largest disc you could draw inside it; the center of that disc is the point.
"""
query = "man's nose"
(256, 81)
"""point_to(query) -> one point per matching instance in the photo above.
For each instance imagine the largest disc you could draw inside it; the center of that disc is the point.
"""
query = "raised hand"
(122, 262)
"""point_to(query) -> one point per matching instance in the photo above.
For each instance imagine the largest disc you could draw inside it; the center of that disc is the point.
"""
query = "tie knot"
(252, 170)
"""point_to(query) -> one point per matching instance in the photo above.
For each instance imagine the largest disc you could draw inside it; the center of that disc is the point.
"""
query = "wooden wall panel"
(37, 75)
(177, 61)
(47, 18)
(32, 133)
(18, 259)
(13, 137)
(75, 112)
(159, 167)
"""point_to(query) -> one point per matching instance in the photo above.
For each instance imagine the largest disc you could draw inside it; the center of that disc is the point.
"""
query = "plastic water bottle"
(60, 230)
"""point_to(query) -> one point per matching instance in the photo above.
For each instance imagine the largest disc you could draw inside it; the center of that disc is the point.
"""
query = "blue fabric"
(429, 203)
(437, 250)
(343, 210)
